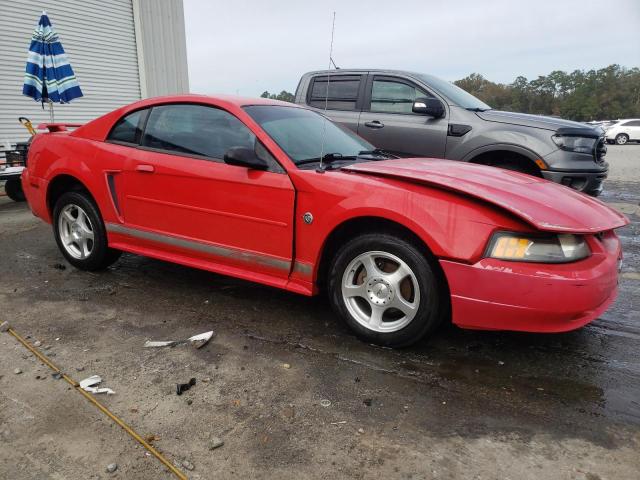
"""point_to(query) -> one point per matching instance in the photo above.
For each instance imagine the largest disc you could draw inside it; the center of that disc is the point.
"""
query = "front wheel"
(80, 232)
(622, 138)
(386, 290)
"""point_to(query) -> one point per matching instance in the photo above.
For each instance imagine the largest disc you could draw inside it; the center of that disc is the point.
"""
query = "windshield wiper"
(477, 109)
(328, 158)
(379, 152)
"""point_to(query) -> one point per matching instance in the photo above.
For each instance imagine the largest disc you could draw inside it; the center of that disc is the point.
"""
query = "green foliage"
(609, 93)
(283, 95)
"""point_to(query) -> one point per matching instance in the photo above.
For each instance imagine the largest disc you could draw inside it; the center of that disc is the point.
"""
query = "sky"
(248, 46)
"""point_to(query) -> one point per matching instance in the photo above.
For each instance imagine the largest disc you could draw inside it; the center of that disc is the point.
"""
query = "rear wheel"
(386, 290)
(80, 232)
(13, 189)
(622, 138)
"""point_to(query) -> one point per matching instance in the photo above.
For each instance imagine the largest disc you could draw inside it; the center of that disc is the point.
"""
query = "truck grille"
(600, 150)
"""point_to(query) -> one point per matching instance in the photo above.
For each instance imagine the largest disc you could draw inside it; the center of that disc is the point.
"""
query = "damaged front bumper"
(534, 297)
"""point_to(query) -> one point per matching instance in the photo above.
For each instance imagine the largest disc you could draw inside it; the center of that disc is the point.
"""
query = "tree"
(283, 95)
(609, 93)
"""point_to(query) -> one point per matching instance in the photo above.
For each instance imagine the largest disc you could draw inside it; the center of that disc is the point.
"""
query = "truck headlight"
(574, 143)
(518, 247)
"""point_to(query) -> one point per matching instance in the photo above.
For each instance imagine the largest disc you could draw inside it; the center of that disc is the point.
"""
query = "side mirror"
(244, 157)
(428, 106)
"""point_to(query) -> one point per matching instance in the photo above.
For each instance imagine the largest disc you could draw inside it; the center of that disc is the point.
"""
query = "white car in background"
(624, 131)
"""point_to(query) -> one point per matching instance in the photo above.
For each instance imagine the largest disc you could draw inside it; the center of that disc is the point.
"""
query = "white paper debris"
(197, 341)
(88, 385)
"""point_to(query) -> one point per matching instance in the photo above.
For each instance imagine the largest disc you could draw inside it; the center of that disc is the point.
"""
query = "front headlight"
(575, 144)
(518, 247)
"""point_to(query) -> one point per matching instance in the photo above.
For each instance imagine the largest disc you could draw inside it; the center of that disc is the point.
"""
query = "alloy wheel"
(380, 291)
(75, 231)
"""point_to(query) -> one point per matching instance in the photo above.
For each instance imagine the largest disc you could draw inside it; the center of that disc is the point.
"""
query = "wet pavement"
(463, 404)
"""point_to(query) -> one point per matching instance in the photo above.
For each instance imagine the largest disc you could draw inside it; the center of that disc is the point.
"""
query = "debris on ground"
(216, 443)
(188, 465)
(341, 422)
(79, 369)
(361, 431)
(56, 375)
(198, 341)
(17, 371)
(4, 326)
(37, 343)
(367, 402)
(152, 438)
(112, 467)
(59, 266)
(183, 387)
(286, 365)
(325, 403)
(88, 385)
(189, 402)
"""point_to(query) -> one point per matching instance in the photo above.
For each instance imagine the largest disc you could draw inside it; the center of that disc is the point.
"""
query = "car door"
(181, 197)
(388, 122)
(341, 95)
(633, 128)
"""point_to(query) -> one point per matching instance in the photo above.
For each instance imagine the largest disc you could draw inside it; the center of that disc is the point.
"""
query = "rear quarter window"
(129, 128)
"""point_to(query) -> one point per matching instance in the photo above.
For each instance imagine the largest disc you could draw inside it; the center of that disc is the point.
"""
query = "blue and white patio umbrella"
(49, 76)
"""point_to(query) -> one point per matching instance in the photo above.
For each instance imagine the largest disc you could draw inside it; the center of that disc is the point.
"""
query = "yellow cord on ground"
(101, 407)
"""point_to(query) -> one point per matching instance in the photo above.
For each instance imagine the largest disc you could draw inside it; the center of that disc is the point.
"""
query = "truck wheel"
(80, 232)
(13, 189)
(386, 290)
(622, 138)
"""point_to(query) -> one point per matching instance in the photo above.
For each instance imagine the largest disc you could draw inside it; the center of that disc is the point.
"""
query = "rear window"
(340, 92)
(128, 129)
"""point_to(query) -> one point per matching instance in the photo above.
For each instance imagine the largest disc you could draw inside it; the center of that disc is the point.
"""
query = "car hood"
(543, 204)
(526, 120)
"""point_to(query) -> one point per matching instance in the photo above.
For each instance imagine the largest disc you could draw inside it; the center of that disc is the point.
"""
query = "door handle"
(145, 168)
(374, 124)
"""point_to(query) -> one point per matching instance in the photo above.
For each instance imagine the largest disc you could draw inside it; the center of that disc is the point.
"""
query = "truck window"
(394, 96)
(342, 94)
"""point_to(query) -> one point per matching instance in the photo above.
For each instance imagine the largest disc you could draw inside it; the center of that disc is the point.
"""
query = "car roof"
(218, 99)
(347, 71)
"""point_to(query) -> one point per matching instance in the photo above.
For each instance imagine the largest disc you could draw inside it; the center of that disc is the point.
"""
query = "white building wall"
(100, 40)
(162, 47)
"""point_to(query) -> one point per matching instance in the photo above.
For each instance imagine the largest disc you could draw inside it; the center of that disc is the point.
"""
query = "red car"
(272, 192)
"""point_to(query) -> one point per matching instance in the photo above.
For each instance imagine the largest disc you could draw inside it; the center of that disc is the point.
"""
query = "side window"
(391, 96)
(128, 129)
(195, 130)
(634, 123)
(203, 131)
(342, 92)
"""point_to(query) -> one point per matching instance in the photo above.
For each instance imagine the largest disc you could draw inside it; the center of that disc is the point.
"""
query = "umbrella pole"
(51, 116)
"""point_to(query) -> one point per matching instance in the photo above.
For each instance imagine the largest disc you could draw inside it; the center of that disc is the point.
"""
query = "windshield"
(454, 93)
(299, 133)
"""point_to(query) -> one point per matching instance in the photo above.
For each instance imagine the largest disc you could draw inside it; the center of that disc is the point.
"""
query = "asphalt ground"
(289, 390)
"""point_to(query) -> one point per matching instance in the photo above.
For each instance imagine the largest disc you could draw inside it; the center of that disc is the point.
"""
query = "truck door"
(341, 94)
(388, 122)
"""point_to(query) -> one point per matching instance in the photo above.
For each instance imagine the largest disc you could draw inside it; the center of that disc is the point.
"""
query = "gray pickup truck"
(414, 114)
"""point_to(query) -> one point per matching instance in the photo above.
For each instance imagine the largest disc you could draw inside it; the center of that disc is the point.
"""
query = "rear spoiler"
(58, 127)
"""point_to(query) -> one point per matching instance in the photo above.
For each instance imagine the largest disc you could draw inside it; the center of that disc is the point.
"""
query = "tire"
(622, 138)
(80, 234)
(13, 189)
(419, 294)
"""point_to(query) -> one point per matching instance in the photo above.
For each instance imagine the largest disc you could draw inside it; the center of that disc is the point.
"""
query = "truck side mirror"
(428, 106)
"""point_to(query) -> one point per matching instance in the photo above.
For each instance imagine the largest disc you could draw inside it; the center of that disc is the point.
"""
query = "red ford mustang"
(273, 193)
